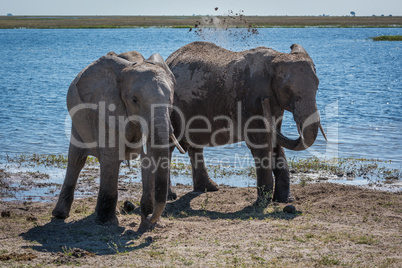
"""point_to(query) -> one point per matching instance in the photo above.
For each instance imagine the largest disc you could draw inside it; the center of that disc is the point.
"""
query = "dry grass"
(10, 22)
(334, 225)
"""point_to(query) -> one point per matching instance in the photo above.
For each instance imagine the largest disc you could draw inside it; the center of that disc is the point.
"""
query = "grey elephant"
(224, 97)
(120, 109)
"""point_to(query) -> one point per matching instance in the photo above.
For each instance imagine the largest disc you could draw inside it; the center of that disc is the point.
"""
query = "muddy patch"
(331, 224)
(328, 224)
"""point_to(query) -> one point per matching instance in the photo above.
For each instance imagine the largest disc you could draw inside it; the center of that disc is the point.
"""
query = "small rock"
(289, 209)
(130, 233)
(6, 214)
(31, 218)
(79, 253)
(133, 224)
(128, 206)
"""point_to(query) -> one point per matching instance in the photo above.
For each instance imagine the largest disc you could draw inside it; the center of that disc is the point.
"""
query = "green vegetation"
(387, 38)
(47, 160)
(370, 169)
(366, 240)
(328, 260)
(96, 22)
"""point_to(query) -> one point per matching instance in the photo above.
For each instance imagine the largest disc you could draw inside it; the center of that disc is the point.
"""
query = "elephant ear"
(94, 95)
(99, 81)
(158, 60)
(298, 49)
(133, 56)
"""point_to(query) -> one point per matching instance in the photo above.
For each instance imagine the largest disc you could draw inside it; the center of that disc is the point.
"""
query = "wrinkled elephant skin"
(231, 97)
(120, 109)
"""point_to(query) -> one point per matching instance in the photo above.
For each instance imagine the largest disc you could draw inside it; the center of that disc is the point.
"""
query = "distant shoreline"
(100, 22)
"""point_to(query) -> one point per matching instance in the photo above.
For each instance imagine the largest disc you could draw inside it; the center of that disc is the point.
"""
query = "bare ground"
(334, 225)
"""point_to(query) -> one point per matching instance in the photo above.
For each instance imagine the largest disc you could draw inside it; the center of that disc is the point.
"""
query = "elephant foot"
(61, 211)
(60, 214)
(63, 206)
(262, 202)
(284, 198)
(145, 226)
(107, 220)
(106, 210)
(209, 186)
(171, 195)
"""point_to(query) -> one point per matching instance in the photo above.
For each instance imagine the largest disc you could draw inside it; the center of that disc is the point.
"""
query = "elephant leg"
(261, 148)
(108, 194)
(76, 161)
(263, 166)
(282, 179)
(171, 195)
(201, 181)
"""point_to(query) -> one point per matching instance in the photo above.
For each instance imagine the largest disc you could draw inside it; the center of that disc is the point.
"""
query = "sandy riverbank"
(334, 225)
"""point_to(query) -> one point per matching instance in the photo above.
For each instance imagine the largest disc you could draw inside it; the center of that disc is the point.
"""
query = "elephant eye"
(135, 99)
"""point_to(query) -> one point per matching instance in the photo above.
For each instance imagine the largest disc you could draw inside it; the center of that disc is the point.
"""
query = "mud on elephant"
(120, 107)
(230, 97)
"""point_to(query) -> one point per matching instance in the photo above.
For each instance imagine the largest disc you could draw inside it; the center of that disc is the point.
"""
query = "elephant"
(223, 97)
(120, 108)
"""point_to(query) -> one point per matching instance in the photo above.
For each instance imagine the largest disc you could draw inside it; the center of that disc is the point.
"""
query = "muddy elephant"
(223, 97)
(120, 108)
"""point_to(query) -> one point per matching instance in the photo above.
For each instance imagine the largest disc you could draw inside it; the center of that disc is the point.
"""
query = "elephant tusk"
(175, 141)
(299, 130)
(323, 133)
(144, 144)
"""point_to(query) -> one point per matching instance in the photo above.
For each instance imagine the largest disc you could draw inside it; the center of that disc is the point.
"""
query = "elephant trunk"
(308, 134)
(307, 130)
(158, 174)
(162, 169)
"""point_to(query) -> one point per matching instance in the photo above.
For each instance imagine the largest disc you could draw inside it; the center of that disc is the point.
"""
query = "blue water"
(359, 97)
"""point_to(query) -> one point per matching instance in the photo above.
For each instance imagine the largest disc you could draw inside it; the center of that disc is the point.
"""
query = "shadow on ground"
(59, 236)
(182, 208)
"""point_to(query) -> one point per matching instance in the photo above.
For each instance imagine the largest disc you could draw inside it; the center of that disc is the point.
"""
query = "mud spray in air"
(232, 30)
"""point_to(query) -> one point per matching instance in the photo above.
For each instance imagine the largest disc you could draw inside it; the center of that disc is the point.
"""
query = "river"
(359, 96)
